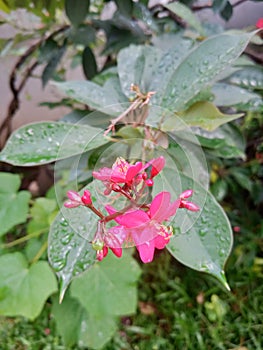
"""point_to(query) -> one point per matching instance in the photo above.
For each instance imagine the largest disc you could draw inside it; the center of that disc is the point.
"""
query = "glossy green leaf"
(202, 114)
(77, 10)
(14, 204)
(89, 63)
(109, 287)
(230, 95)
(136, 65)
(186, 14)
(69, 247)
(46, 142)
(107, 98)
(199, 69)
(24, 289)
(248, 77)
(202, 240)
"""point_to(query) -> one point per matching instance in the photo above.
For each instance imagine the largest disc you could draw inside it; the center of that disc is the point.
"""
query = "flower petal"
(133, 171)
(146, 251)
(159, 206)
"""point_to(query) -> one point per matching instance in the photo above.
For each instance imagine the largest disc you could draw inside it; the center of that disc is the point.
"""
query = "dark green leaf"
(14, 204)
(47, 142)
(50, 68)
(77, 10)
(227, 11)
(241, 176)
(83, 35)
(219, 189)
(125, 7)
(26, 288)
(89, 63)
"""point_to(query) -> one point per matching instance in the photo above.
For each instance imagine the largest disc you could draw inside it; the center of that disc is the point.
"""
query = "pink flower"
(146, 228)
(259, 23)
(123, 172)
(75, 200)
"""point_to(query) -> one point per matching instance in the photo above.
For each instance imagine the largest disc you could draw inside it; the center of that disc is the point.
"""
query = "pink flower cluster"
(143, 225)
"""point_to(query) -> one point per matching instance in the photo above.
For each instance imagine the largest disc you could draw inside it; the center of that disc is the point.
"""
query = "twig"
(139, 101)
(15, 102)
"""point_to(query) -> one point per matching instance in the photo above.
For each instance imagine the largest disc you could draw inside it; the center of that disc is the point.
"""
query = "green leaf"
(50, 68)
(41, 214)
(186, 14)
(77, 10)
(80, 327)
(136, 65)
(69, 248)
(226, 142)
(230, 95)
(25, 288)
(125, 7)
(199, 69)
(83, 35)
(109, 287)
(219, 189)
(46, 142)
(14, 204)
(201, 114)
(97, 330)
(202, 240)
(248, 77)
(241, 176)
(68, 327)
(4, 7)
(89, 63)
(106, 99)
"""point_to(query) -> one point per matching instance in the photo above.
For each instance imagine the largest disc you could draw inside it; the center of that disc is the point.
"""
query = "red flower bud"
(189, 206)
(86, 198)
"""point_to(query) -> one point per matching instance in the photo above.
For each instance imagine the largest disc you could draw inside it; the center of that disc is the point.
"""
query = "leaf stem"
(40, 252)
(24, 238)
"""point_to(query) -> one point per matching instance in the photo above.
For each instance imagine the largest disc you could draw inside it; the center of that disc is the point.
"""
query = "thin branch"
(15, 102)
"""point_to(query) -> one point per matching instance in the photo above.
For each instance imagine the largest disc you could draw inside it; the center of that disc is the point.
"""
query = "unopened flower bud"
(149, 182)
(189, 206)
(74, 200)
(186, 194)
(101, 254)
(97, 244)
(86, 198)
